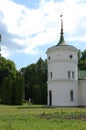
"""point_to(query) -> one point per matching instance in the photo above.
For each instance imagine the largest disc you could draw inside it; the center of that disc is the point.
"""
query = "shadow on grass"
(34, 107)
(45, 106)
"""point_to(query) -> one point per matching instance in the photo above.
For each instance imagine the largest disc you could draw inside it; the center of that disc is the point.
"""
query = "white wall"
(61, 93)
(60, 70)
(82, 92)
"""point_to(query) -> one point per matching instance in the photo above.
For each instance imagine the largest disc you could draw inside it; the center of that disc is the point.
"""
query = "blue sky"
(30, 27)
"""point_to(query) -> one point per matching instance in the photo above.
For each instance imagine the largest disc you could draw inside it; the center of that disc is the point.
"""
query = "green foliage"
(82, 60)
(18, 90)
(7, 90)
(7, 68)
(11, 83)
(35, 75)
(44, 93)
(12, 91)
(37, 94)
(82, 64)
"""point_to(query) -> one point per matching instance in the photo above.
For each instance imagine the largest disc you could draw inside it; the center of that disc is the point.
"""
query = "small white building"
(64, 88)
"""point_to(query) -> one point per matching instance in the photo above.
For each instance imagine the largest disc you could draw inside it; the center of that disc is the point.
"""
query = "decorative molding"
(62, 61)
(62, 48)
(63, 80)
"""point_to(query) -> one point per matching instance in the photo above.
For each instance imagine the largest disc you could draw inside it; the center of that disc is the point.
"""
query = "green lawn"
(35, 117)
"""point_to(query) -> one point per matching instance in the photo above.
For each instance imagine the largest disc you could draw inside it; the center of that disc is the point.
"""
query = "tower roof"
(61, 41)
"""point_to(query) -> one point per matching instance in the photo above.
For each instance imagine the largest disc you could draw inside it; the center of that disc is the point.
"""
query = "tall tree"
(37, 94)
(29, 75)
(11, 83)
(7, 90)
(41, 78)
(82, 60)
(7, 68)
(18, 90)
(35, 75)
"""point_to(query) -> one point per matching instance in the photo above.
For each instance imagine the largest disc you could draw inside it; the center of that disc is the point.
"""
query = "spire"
(61, 41)
(61, 25)
(0, 45)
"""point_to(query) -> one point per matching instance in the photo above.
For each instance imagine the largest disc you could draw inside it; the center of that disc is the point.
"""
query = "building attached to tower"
(64, 88)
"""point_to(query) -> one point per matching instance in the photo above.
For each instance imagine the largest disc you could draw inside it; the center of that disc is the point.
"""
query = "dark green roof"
(81, 74)
(61, 41)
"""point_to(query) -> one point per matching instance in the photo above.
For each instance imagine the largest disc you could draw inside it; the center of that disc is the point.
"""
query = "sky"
(30, 27)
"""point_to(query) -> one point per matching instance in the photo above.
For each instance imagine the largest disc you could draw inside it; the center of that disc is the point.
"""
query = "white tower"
(62, 73)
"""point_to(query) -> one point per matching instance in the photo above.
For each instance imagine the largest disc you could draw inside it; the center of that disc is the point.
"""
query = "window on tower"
(69, 74)
(71, 95)
(73, 74)
(49, 58)
(71, 56)
(51, 75)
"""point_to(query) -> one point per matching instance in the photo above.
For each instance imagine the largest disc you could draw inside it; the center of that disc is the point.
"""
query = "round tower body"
(62, 76)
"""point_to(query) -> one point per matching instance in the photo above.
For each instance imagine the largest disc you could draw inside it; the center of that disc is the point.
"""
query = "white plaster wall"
(62, 55)
(61, 93)
(60, 70)
(82, 92)
(62, 52)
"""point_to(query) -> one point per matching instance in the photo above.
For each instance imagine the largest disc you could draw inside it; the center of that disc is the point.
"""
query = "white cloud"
(5, 51)
(29, 28)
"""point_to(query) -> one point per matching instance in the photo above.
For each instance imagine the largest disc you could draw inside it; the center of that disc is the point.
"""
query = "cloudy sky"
(29, 27)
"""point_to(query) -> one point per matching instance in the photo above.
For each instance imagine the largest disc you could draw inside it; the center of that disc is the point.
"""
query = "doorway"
(50, 98)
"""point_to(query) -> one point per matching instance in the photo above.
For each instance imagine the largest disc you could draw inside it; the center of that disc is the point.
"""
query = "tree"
(18, 91)
(84, 55)
(35, 74)
(41, 78)
(7, 68)
(29, 78)
(44, 93)
(11, 83)
(82, 60)
(37, 94)
(7, 90)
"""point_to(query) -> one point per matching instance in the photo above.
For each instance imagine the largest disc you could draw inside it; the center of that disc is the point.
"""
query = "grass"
(35, 117)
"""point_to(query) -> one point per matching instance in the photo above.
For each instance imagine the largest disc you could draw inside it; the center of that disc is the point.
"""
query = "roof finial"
(61, 41)
(61, 25)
